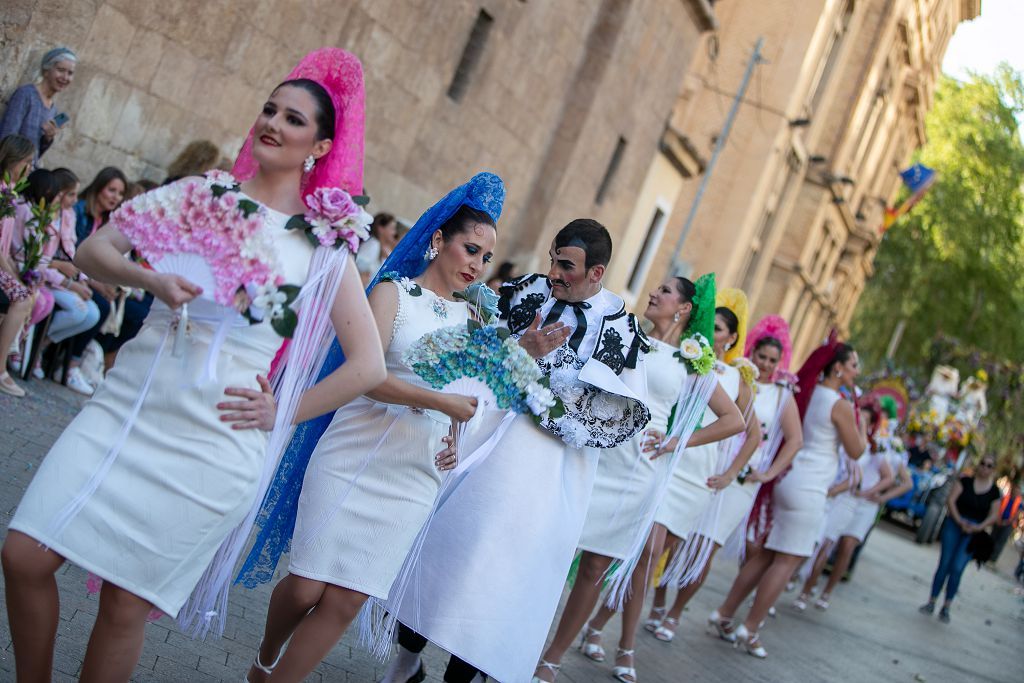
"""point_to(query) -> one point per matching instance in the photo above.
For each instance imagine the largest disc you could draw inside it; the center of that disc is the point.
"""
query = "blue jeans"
(953, 559)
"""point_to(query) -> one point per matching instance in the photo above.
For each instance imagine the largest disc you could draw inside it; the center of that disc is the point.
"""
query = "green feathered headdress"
(702, 317)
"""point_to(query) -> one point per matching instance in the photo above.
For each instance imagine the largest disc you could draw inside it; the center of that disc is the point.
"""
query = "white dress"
(865, 511)
(495, 557)
(626, 476)
(183, 479)
(798, 505)
(371, 479)
(688, 492)
(738, 498)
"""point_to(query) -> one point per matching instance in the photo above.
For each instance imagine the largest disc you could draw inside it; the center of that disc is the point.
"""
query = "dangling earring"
(728, 346)
(430, 254)
(676, 317)
(839, 374)
(309, 163)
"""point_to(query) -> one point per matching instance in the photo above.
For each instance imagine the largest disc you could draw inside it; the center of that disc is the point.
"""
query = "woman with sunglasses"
(973, 504)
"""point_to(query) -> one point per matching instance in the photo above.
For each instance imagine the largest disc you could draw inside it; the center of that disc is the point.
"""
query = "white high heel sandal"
(624, 674)
(543, 664)
(751, 642)
(265, 668)
(721, 627)
(667, 630)
(592, 651)
(653, 624)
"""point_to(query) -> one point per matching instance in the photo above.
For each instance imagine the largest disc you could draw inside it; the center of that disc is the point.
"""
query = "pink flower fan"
(340, 73)
(777, 328)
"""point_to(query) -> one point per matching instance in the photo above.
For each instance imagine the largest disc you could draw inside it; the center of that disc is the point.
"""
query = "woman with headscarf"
(373, 476)
(32, 109)
(154, 485)
(798, 497)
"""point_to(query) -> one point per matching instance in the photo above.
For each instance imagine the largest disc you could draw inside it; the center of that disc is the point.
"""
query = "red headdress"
(810, 371)
(340, 73)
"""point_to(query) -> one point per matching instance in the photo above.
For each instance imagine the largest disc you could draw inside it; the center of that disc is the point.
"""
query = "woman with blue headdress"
(373, 475)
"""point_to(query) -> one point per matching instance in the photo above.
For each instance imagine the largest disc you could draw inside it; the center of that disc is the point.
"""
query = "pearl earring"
(728, 346)
(309, 163)
(430, 254)
(676, 317)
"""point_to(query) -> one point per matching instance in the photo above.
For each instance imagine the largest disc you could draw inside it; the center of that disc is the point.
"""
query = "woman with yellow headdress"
(691, 508)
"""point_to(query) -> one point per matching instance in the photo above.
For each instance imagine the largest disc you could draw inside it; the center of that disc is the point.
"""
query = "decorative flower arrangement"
(38, 233)
(210, 218)
(486, 353)
(333, 218)
(10, 193)
(748, 371)
(697, 353)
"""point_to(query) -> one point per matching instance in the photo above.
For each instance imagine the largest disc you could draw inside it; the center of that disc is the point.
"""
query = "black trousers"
(458, 671)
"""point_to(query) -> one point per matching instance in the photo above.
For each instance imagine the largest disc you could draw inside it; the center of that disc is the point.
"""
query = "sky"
(995, 36)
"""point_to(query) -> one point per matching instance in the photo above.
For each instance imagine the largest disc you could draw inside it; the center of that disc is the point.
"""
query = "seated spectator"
(32, 109)
(198, 157)
(76, 311)
(146, 184)
(383, 238)
(16, 300)
(104, 194)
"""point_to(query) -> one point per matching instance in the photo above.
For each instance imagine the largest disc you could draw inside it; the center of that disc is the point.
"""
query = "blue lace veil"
(276, 520)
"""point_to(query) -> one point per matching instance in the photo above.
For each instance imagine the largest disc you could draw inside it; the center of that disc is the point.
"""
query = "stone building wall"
(556, 86)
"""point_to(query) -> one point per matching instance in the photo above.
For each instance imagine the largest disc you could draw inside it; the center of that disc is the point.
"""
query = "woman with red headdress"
(154, 485)
(798, 501)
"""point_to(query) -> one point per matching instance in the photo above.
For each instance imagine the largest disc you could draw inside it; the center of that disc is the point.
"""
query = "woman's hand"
(49, 129)
(81, 289)
(458, 407)
(655, 444)
(257, 411)
(756, 477)
(173, 290)
(717, 482)
(447, 459)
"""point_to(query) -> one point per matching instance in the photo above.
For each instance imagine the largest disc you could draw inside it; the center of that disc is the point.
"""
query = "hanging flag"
(918, 178)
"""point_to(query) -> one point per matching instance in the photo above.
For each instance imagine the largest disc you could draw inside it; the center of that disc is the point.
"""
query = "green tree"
(952, 269)
(955, 264)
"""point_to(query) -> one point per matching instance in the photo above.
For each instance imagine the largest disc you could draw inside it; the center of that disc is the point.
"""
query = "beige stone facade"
(553, 91)
(792, 208)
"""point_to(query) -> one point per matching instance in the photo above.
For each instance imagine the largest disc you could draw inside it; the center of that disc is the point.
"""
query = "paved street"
(872, 633)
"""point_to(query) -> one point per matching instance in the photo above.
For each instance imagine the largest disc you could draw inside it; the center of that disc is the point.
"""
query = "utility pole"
(755, 59)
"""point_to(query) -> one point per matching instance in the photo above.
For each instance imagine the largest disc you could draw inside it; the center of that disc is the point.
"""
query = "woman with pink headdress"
(154, 485)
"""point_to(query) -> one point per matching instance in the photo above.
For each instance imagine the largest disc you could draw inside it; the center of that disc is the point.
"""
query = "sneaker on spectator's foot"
(944, 615)
(9, 386)
(78, 383)
(14, 363)
(38, 373)
(927, 608)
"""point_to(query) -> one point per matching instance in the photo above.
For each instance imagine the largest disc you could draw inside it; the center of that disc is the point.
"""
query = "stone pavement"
(872, 633)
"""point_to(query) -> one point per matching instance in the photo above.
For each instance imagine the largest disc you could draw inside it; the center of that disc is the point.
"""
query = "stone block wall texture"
(557, 85)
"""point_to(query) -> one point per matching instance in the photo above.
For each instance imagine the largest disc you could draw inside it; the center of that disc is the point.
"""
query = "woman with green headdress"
(631, 478)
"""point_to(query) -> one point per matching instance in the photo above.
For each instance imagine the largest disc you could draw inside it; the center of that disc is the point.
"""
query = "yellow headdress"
(736, 301)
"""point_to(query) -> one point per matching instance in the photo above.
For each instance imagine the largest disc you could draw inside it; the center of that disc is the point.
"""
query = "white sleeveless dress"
(371, 480)
(738, 498)
(798, 505)
(865, 512)
(688, 492)
(626, 476)
(183, 480)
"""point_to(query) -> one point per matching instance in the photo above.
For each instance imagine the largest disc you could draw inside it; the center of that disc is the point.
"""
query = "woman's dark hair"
(65, 179)
(102, 179)
(591, 237)
(731, 321)
(843, 353)
(325, 115)
(505, 271)
(768, 341)
(379, 221)
(42, 187)
(461, 220)
(14, 148)
(687, 290)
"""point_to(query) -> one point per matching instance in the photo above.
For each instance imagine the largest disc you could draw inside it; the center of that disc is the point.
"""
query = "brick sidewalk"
(872, 632)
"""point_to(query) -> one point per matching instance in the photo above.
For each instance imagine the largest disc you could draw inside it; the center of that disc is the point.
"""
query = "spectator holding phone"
(32, 109)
